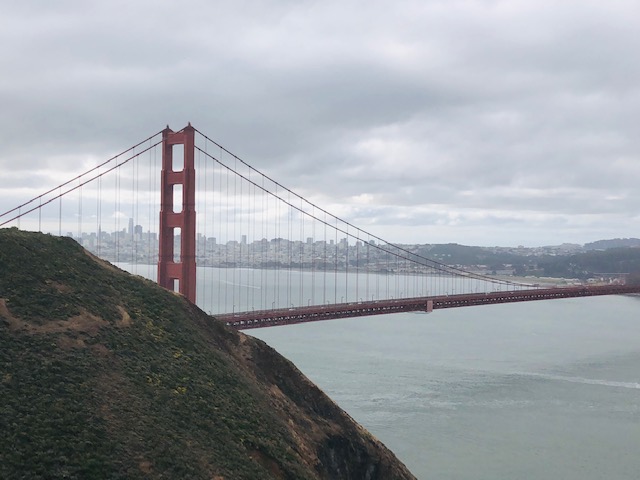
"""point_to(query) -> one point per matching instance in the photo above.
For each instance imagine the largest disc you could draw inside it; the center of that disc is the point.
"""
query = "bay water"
(535, 390)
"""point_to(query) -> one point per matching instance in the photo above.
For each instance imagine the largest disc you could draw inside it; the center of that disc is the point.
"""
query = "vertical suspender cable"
(133, 197)
(200, 256)
(117, 213)
(250, 259)
(150, 196)
(313, 255)
(289, 247)
(324, 262)
(202, 165)
(346, 266)
(303, 244)
(79, 212)
(99, 215)
(254, 245)
(237, 256)
(368, 267)
(219, 241)
(357, 265)
(335, 265)
(226, 276)
(60, 212)
(277, 247)
(398, 293)
(263, 248)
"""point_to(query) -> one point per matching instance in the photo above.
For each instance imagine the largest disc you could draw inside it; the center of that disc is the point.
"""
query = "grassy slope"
(106, 375)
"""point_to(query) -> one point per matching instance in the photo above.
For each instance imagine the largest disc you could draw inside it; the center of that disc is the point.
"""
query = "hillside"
(106, 375)
(590, 264)
(561, 261)
(613, 243)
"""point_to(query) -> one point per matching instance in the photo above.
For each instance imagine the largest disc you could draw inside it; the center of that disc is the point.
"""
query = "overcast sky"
(474, 122)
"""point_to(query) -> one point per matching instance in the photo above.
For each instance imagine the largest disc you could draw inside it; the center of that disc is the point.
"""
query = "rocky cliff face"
(106, 375)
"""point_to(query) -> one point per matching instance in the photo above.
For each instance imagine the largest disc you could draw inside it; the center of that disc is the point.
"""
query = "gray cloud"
(475, 122)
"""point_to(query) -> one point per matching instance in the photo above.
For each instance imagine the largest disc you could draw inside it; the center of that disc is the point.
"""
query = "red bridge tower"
(183, 271)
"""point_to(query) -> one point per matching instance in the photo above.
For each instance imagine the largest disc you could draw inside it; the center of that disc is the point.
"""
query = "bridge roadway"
(288, 316)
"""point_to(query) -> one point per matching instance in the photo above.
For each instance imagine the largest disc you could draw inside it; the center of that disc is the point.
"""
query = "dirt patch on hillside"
(125, 318)
(83, 323)
(13, 322)
(59, 287)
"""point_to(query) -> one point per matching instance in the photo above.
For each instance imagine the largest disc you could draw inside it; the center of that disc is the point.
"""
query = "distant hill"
(614, 243)
(106, 375)
(562, 261)
(456, 254)
(592, 263)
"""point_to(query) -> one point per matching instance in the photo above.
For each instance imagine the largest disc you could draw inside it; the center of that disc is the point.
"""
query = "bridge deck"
(288, 316)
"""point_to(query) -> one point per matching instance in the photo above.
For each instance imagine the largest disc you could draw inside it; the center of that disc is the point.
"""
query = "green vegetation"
(590, 264)
(582, 265)
(106, 375)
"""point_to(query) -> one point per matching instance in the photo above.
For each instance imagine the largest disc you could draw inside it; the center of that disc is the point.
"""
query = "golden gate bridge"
(183, 210)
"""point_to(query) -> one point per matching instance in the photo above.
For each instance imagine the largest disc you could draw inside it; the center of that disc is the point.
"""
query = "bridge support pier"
(182, 271)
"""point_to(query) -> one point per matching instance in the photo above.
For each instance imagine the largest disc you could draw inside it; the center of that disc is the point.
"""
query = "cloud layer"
(478, 122)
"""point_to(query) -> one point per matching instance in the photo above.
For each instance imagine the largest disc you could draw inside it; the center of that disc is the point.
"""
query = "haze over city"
(487, 122)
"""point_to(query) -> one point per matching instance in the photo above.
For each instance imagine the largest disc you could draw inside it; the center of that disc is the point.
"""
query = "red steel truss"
(288, 316)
